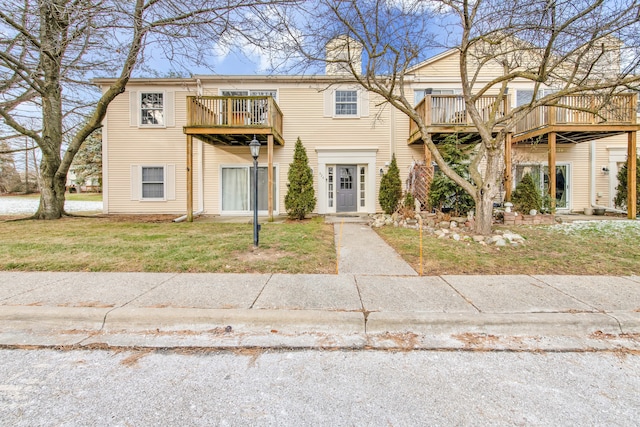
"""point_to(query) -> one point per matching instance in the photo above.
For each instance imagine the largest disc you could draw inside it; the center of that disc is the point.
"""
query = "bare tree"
(51, 48)
(559, 44)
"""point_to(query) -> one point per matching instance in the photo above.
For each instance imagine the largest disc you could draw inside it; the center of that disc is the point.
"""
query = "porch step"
(350, 218)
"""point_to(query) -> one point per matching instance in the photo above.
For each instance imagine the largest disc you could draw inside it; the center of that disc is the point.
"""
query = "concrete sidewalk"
(320, 311)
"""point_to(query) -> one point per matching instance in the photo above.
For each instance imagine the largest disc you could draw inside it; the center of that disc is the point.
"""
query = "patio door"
(347, 191)
(562, 185)
(540, 175)
(237, 189)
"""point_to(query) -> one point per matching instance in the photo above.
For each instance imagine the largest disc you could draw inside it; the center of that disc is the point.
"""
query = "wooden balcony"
(233, 120)
(573, 118)
(447, 114)
(577, 118)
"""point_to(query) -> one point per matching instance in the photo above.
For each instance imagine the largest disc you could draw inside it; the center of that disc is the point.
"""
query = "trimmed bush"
(390, 188)
(527, 196)
(300, 199)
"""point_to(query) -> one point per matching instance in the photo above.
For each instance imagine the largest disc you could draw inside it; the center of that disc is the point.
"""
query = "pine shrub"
(390, 188)
(527, 197)
(444, 194)
(621, 190)
(300, 199)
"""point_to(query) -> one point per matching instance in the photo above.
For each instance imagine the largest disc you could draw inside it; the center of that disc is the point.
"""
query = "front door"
(347, 189)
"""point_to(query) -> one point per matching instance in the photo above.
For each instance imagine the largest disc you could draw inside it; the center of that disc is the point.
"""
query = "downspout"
(184, 217)
(200, 176)
(592, 183)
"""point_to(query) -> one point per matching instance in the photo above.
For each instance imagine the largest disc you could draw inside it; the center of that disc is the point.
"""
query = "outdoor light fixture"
(254, 146)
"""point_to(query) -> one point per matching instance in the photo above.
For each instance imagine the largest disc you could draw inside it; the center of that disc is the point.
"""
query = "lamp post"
(254, 146)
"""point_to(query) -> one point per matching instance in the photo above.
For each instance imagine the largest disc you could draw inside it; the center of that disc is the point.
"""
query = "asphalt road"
(48, 387)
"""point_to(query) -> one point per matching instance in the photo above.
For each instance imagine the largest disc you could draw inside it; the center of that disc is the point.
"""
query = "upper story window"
(152, 108)
(419, 94)
(346, 103)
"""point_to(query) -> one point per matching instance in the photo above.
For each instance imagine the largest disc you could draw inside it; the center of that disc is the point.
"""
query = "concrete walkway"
(362, 251)
(361, 311)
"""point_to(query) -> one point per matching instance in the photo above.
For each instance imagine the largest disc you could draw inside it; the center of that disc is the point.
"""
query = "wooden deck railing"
(583, 110)
(234, 111)
(450, 110)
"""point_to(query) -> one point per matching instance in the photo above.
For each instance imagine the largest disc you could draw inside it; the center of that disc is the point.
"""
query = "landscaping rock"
(513, 237)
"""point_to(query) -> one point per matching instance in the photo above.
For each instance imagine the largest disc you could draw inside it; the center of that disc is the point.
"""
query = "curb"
(259, 321)
(266, 328)
(542, 324)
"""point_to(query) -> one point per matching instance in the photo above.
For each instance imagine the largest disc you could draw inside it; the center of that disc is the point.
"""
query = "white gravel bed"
(25, 205)
(614, 227)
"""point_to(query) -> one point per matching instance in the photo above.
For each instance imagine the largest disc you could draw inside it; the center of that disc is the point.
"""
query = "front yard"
(158, 245)
(598, 248)
(155, 244)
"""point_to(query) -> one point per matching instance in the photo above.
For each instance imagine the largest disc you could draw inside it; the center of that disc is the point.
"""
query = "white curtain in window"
(234, 189)
(263, 196)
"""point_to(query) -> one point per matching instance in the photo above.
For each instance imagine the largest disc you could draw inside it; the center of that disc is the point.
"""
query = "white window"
(152, 182)
(346, 103)
(419, 94)
(362, 186)
(237, 189)
(246, 111)
(525, 96)
(152, 109)
(330, 186)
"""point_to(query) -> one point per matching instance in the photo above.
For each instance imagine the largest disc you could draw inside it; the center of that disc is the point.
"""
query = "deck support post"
(552, 172)
(508, 181)
(631, 176)
(189, 178)
(270, 175)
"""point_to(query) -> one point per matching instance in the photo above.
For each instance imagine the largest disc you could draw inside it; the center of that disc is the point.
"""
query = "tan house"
(177, 146)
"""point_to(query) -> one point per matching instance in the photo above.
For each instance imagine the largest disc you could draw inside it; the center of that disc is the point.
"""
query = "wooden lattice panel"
(419, 180)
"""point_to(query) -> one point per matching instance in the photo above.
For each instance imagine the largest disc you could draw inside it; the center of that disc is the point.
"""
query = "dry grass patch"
(155, 244)
(590, 248)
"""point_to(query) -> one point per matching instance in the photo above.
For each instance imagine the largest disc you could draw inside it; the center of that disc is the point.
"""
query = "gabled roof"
(433, 59)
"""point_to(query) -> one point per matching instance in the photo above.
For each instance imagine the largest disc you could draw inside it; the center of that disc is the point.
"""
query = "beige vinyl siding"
(606, 182)
(218, 156)
(575, 155)
(144, 147)
(303, 104)
(448, 67)
(303, 109)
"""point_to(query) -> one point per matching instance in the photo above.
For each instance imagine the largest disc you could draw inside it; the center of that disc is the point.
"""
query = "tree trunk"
(489, 189)
(484, 214)
(53, 190)
(53, 27)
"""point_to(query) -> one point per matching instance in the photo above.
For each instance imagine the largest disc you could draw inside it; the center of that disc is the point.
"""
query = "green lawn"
(597, 248)
(117, 244)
